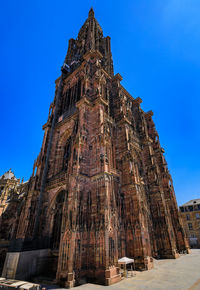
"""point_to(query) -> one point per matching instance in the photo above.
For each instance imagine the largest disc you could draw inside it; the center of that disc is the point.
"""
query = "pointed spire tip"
(91, 12)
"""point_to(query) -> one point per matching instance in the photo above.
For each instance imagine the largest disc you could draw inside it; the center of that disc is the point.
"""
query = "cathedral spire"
(92, 34)
(90, 37)
(91, 13)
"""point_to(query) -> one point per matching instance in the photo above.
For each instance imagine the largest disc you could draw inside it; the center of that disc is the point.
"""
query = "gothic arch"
(53, 200)
(61, 150)
(57, 215)
(64, 137)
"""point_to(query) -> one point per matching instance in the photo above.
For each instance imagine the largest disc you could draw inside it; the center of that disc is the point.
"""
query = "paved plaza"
(182, 273)
(179, 274)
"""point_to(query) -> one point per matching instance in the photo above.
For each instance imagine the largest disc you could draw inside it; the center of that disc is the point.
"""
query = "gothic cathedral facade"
(101, 189)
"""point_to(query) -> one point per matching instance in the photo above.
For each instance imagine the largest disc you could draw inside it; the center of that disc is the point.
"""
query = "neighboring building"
(100, 188)
(11, 201)
(8, 181)
(190, 214)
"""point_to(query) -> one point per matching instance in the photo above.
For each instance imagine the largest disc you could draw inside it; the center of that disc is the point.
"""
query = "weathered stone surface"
(25, 264)
(12, 193)
(102, 189)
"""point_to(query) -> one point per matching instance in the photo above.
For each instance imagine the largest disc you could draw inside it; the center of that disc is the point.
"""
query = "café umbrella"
(125, 261)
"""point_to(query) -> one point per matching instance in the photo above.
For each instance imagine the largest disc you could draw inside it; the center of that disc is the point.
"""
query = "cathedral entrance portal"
(55, 236)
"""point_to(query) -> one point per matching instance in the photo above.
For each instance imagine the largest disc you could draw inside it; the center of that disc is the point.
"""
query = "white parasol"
(125, 261)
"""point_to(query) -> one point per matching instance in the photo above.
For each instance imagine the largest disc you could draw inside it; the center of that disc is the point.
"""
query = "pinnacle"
(91, 13)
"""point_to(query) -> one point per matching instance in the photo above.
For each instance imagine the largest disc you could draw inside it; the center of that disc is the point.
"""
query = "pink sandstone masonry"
(102, 189)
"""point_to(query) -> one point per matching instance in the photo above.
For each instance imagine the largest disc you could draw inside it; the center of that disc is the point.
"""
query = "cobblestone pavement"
(179, 274)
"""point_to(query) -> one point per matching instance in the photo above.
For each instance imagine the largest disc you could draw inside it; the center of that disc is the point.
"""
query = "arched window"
(67, 153)
(57, 221)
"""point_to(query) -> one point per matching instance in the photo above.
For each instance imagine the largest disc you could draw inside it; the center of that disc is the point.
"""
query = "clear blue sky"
(156, 48)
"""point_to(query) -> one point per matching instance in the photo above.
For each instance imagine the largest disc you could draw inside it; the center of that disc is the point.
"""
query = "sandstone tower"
(100, 188)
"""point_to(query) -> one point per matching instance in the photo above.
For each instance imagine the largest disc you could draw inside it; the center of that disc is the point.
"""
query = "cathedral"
(100, 188)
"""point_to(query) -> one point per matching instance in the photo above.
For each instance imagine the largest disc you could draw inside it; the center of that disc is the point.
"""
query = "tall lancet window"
(67, 153)
(57, 223)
